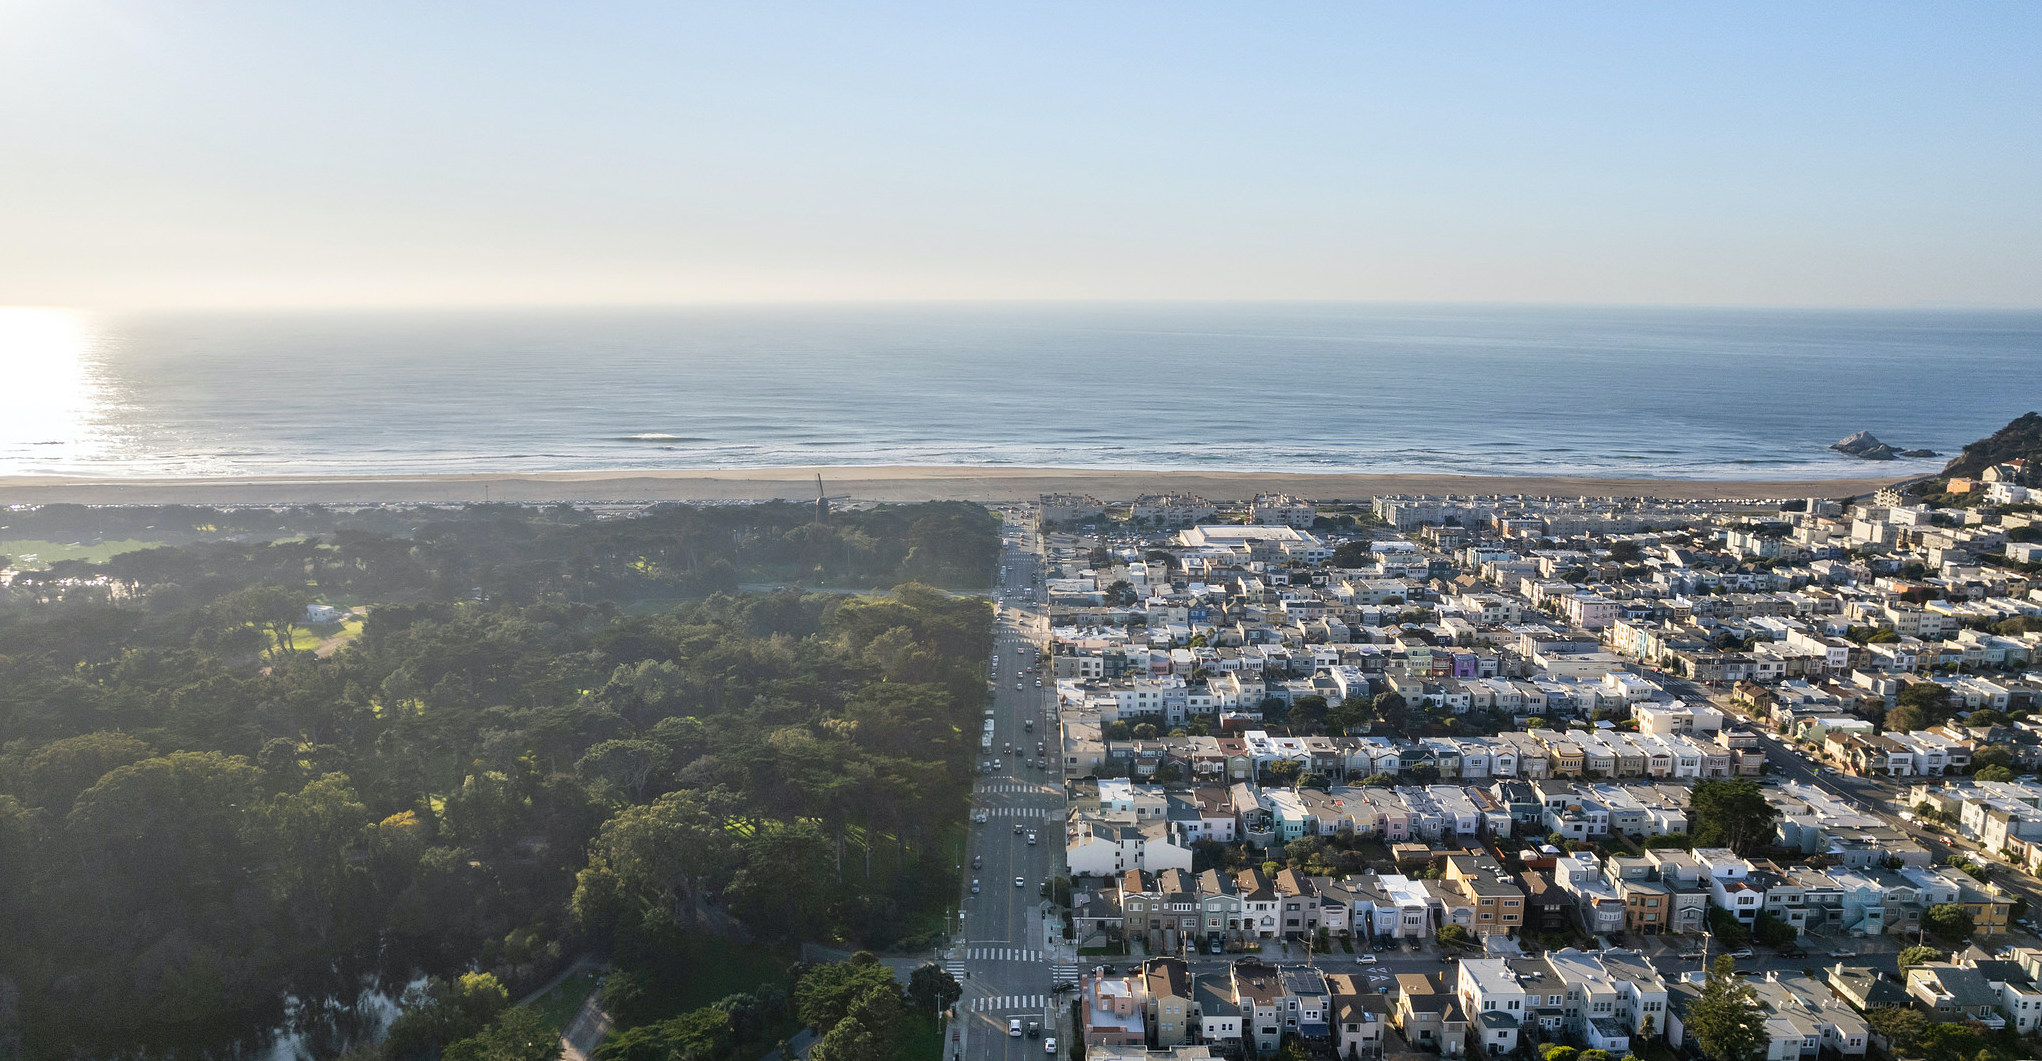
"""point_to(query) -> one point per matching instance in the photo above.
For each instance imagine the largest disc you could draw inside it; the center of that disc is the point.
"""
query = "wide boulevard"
(1010, 954)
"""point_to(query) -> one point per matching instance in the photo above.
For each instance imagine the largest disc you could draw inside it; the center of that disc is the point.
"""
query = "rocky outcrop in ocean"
(1866, 446)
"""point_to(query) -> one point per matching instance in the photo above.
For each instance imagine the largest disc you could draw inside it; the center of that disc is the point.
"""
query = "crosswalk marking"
(1009, 1003)
(954, 968)
(1015, 812)
(1065, 973)
(1009, 786)
(1002, 954)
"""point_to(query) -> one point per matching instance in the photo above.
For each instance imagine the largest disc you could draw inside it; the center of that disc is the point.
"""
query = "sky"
(213, 153)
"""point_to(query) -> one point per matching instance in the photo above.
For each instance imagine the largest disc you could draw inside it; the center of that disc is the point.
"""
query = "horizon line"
(999, 301)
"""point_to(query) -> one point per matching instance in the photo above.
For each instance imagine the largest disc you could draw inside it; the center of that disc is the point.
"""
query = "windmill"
(822, 502)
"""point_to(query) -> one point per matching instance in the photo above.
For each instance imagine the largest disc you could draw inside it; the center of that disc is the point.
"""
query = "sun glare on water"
(47, 387)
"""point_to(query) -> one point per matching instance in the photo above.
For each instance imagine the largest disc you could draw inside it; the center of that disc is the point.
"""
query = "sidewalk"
(586, 1031)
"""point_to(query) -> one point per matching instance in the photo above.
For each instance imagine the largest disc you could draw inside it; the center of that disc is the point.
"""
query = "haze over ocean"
(1629, 392)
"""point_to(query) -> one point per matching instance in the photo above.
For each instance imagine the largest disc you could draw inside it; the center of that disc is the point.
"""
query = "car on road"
(1014, 1027)
(1038, 683)
(1365, 959)
(1017, 685)
(1031, 838)
(978, 862)
(974, 886)
(1035, 1029)
(1049, 1046)
(981, 817)
(1843, 953)
(996, 764)
(1019, 828)
(1018, 883)
(1741, 952)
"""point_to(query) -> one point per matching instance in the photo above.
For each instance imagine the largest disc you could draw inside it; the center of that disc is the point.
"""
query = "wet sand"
(869, 483)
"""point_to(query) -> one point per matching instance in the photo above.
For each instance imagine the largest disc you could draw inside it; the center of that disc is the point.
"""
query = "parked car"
(1741, 952)
(1843, 953)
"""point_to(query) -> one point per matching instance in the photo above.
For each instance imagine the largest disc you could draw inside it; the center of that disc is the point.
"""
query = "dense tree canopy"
(504, 767)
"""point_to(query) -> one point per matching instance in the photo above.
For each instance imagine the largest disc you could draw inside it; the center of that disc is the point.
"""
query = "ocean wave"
(655, 436)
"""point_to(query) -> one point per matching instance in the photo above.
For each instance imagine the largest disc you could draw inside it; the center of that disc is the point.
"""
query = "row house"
(1596, 900)
(1661, 896)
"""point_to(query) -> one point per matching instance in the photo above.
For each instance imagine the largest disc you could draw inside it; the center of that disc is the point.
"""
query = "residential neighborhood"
(1479, 775)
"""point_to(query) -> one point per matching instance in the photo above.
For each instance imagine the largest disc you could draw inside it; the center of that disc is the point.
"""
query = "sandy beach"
(866, 483)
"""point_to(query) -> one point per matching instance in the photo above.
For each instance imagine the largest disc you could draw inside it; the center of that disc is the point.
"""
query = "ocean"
(1653, 393)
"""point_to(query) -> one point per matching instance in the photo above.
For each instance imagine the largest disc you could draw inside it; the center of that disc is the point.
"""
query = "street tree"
(1948, 921)
(1918, 955)
(932, 988)
(1726, 1019)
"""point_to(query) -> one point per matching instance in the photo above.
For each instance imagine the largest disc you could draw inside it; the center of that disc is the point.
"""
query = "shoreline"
(872, 483)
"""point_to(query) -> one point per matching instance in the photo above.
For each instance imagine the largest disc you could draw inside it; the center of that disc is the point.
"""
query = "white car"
(1365, 959)
(1014, 1027)
(1049, 1046)
(1018, 883)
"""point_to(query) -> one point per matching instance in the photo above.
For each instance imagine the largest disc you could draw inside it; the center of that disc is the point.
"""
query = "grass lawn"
(921, 1038)
(557, 1007)
(309, 637)
(47, 553)
(720, 967)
